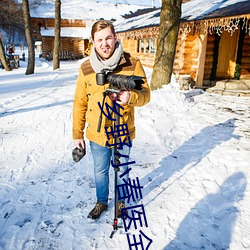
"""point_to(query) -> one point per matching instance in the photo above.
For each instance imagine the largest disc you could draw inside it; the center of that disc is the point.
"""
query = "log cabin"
(74, 37)
(213, 41)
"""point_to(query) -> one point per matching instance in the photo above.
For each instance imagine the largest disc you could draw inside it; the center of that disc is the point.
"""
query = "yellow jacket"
(88, 94)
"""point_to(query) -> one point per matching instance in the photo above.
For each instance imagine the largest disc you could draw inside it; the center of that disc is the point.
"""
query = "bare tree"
(3, 57)
(28, 33)
(56, 59)
(168, 34)
(11, 17)
(11, 24)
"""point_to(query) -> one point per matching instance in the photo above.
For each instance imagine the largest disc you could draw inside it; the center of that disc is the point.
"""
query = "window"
(146, 45)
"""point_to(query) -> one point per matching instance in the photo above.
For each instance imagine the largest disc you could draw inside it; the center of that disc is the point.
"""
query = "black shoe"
(120, 206)
(97, 210)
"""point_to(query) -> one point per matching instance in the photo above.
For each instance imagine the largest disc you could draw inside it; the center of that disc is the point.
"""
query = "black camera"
(78, 153)
(121, 82)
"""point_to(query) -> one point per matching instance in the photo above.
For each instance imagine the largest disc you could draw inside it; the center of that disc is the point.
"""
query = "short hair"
(101, 24)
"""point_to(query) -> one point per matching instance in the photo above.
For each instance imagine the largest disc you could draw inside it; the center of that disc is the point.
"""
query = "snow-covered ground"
(192, 156)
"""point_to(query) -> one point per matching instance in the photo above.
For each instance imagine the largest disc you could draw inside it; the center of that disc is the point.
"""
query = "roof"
(193, 10)
(208, 9)
(79, 32)
(145, 20)
(232, 10)
(85, 10)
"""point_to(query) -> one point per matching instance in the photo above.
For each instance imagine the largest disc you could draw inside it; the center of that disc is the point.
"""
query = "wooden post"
(201, 60)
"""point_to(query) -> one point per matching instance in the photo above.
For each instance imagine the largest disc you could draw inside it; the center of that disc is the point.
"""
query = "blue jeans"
(101, 157)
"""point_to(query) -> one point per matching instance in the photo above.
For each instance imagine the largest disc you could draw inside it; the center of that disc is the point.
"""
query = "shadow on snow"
(210, 223)
(190, 153)
(22, 110)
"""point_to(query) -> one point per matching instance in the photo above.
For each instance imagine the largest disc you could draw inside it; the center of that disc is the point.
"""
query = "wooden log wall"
(146, 59)
(209, 57)
(178, 61)
(73, 45)
(131, 46)
(185, 59)
(47, 45)
(190, 56)
(79, 46)
(245, 60)
(50, 22)
(66, 44)
(186, 55)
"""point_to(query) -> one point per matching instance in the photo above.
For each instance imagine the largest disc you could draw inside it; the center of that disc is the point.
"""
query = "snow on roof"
(192, 10)
(197, 9)
(85, 10)
(79, 32)
(145, 20)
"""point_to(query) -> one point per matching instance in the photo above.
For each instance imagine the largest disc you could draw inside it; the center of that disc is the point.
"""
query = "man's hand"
(79, 143)
(78, 152)
(123, 97)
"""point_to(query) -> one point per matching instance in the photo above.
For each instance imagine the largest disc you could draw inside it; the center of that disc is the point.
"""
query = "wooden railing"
(64, 55)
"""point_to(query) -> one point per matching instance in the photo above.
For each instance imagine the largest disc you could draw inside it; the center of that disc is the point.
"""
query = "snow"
(86, 10)
(192, 156)
(84, 33)
(145, 20)
(155, 3)
(197, 9)
(192, 10)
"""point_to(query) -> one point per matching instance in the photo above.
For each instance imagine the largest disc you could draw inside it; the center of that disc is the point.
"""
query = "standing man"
(107, 54)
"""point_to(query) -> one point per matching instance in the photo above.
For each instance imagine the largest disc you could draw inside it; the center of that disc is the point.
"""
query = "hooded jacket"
(88, 93)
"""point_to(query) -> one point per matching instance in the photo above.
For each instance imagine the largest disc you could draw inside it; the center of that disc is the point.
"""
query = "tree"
(56, 59)
(10, 24)
(29, 39)
(168, 34)
(11, 19)
(3, 57)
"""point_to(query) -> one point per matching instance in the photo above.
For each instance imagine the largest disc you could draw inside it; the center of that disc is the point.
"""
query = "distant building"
(75, 36)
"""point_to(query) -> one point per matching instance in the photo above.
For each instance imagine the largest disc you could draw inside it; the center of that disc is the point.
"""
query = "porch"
(231, 87)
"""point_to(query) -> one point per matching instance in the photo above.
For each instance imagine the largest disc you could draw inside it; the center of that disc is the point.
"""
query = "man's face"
(104, 42)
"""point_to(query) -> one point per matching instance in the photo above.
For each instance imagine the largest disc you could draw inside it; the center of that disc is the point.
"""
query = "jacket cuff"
(77, 135)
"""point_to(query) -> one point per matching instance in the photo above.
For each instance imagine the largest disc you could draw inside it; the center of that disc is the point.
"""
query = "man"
(107, 54)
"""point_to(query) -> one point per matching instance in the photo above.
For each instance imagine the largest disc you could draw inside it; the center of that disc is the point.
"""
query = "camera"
(121, 82)
(78, 153)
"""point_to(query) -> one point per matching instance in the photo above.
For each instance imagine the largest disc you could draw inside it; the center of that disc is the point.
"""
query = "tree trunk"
(3, 57)
(28, 33)
(56, 59)
(168, 34)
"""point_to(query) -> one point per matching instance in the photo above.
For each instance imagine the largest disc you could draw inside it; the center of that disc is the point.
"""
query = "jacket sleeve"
(80, 106)
(140, 97)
